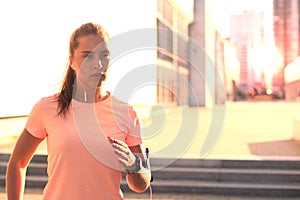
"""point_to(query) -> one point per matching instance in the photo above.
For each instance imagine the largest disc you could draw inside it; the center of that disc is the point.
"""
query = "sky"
(225, 8)
(34, 39)
(34, 42)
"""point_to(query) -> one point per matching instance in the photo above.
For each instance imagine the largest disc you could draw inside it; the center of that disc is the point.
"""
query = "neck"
(86, 94)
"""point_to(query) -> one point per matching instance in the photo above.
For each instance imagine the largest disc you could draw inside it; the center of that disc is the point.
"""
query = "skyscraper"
(286, 32)
(286, 28)
(247, 34)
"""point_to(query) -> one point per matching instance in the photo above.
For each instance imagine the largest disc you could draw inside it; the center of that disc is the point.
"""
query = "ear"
(71, 64)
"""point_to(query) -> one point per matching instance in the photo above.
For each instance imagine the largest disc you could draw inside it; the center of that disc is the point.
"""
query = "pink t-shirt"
(81, 161)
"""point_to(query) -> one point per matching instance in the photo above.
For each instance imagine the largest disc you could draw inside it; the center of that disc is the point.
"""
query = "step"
(215, 174)
(32, 169)
(207, 187)
(31, 181)
(36, 181)
(36, 158)
(158, 163)
(276, 178)
(228, 175)
(37, 169)
(196, 186)
(2, 180)
(4, 157)
(3, 167)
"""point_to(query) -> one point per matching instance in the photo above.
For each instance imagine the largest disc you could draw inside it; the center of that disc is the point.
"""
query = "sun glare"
(263, 57)
(34, 45)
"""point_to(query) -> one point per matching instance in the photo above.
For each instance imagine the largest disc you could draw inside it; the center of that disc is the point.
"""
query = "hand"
(126, 157)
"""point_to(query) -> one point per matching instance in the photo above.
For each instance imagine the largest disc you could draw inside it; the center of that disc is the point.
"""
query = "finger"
(119, 147)
(110, 139)
(122, 154)
(116, 141)
(123, 162)
(120, 142)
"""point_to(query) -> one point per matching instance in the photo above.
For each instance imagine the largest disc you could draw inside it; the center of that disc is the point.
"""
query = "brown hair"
(64, 97)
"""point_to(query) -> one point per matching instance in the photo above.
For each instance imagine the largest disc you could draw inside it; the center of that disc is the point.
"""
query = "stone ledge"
(296, 127)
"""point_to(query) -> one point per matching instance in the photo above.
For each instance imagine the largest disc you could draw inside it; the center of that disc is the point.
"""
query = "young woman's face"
(91, 60)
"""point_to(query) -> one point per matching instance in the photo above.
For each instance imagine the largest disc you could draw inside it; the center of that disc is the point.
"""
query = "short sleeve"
(35, 123)
(134, 137)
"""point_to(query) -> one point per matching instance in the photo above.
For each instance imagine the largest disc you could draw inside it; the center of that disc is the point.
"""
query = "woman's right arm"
(19, 159)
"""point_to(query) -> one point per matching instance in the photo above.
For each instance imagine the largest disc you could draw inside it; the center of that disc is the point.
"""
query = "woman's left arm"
(130, 158)
(140, 180)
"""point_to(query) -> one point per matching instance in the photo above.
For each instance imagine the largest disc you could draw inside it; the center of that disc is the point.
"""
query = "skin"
(18, 162)
(138, 182)
(88, 70)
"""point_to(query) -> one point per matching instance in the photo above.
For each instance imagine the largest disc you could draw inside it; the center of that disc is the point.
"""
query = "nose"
(100, 64)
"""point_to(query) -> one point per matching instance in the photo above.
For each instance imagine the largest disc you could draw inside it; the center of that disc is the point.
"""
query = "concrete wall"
(292, 80)
(197, 55)
(296, 127)
(205, 79)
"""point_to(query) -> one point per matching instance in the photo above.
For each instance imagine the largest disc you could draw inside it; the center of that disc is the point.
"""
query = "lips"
(103, 77)
(97, 75)
(100, 76)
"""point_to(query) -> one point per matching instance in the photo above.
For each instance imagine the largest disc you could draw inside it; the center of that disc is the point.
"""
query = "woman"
(90, 134)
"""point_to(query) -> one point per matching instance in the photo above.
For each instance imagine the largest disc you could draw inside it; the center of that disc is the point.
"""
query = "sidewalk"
(35, 194)
(251, 131)
(257, 130)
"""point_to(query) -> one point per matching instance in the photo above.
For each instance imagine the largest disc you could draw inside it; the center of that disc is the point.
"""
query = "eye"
(105, 55)
(88, 55)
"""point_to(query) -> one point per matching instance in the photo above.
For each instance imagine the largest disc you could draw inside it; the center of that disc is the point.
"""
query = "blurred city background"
(224, 50)
(231, 68)
(201, 54)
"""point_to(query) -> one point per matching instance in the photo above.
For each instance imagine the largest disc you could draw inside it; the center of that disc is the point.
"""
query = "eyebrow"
(88, 52)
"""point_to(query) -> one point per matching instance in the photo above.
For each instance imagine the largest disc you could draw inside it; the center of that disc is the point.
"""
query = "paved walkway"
(35, 194)
(256, 130)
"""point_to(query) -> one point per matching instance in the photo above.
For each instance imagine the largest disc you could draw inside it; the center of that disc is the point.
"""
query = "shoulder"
(117, 102)
(47, 102)
(51, 99)
(123, 107)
